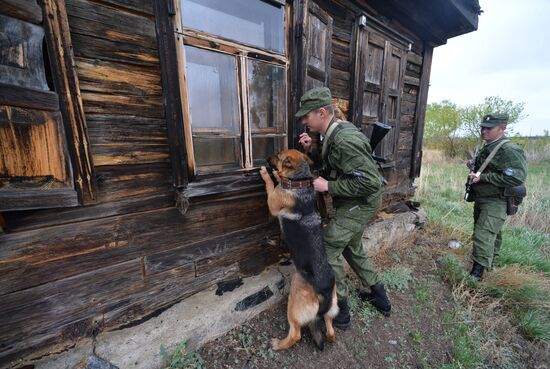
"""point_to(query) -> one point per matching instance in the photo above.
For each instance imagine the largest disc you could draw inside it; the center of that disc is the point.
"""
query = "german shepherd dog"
(312, 290)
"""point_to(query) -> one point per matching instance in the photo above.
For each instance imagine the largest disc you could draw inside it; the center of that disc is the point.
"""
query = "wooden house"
(131, 132)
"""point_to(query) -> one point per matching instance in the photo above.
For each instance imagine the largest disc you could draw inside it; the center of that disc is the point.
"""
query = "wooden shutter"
(35, 167)
(317, 26)
(314, 49)
(380, 68)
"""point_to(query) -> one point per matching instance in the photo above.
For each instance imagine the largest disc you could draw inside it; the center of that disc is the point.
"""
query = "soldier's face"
(490, 134)
(313, 120)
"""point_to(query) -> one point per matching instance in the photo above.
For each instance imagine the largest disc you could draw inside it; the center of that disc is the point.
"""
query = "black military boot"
(477, 271)
(377, 297)
(343, 319)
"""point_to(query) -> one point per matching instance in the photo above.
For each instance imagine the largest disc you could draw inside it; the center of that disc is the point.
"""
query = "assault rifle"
(467, 195)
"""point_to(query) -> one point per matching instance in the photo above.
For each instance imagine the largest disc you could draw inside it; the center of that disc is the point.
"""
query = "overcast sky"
(508, 56)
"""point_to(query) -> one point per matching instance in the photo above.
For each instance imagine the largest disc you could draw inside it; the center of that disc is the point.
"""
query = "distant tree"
(442, 126)
(472, 115)
(454, 129)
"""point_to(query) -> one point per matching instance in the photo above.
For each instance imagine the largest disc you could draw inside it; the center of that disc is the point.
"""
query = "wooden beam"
(177, 137)
(58, 40)
(25, 10)
(28, 98)
(421, 103)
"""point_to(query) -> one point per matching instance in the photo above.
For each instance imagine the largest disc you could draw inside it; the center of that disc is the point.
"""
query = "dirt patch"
(415, 336)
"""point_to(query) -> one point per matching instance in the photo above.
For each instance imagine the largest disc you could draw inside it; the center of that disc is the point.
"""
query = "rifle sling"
(491, 156)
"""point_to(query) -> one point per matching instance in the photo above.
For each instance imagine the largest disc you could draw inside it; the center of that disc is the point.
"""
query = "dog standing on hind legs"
(312, 294)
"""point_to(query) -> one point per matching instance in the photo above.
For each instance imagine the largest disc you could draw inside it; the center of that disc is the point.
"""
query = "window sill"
(232, 183)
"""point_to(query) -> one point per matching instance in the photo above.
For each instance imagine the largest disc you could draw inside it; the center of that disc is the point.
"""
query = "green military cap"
(495, 119)
(314, 99)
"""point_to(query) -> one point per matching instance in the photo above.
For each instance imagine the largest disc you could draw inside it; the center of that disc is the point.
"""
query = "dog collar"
(289, 184)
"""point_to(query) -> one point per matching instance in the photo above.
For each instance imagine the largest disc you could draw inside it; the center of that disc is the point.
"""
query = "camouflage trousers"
(343, 240)
(489, 217)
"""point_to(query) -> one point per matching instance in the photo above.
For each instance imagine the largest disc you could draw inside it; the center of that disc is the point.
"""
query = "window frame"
(242, 52)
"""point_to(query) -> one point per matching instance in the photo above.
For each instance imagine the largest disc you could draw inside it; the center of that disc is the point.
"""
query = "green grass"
(397, 278)
(520, 281)
(181, 359)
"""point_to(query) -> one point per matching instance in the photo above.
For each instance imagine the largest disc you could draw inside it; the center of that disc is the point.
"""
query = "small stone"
(454, 244)
(392, 342)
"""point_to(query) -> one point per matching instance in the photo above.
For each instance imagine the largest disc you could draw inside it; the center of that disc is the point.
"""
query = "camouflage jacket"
(346, 162)
(507, 169)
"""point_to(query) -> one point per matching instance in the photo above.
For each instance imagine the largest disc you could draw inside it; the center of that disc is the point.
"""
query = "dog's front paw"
(275, 344)
(263, 171)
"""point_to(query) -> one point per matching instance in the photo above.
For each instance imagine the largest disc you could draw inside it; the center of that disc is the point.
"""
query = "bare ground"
(416, 335)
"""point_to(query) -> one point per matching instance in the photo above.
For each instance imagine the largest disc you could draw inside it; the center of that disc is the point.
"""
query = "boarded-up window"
(36, 170)
(378, 98)
(34, 166)
(234, 82)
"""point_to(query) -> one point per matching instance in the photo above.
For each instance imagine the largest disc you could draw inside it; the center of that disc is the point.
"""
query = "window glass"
(220, 152)
(263, 147)
(213, 94)
(253, 22)
(266, 96)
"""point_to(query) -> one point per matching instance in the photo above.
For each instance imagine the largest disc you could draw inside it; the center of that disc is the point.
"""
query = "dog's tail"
(316, 329)
(325, 302)
(325, 297)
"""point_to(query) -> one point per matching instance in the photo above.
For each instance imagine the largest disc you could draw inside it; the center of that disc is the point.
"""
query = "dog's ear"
(287, 163)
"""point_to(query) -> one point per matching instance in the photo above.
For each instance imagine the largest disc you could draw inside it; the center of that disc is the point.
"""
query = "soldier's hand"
(475, 177)
(320, 184)
(469, 163)
(305, 141)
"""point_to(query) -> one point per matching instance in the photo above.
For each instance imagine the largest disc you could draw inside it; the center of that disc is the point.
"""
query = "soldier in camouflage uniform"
(508, 168)
(349, 175)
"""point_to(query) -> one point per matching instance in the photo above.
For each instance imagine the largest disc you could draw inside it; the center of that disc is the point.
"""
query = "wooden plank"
(59, 43)
(414, 58)
(124, 154)
(340, 62)
(163, 290)
(421, 112)
(97, 20)
(25, 221)
(113, 129)
(181, 144)
(85, 304)
(341, 75)
(27, 10)
(30, 258)
(412, 81)
(222, 247)
(143, 106)
(116, 78)
(32, 199)
(114, 50)
(119, 182)
(140, 6)
(340, 88)
(28, 98)
(32, 155)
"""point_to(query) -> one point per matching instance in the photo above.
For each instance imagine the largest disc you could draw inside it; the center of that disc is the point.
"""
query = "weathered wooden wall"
(67, 273)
